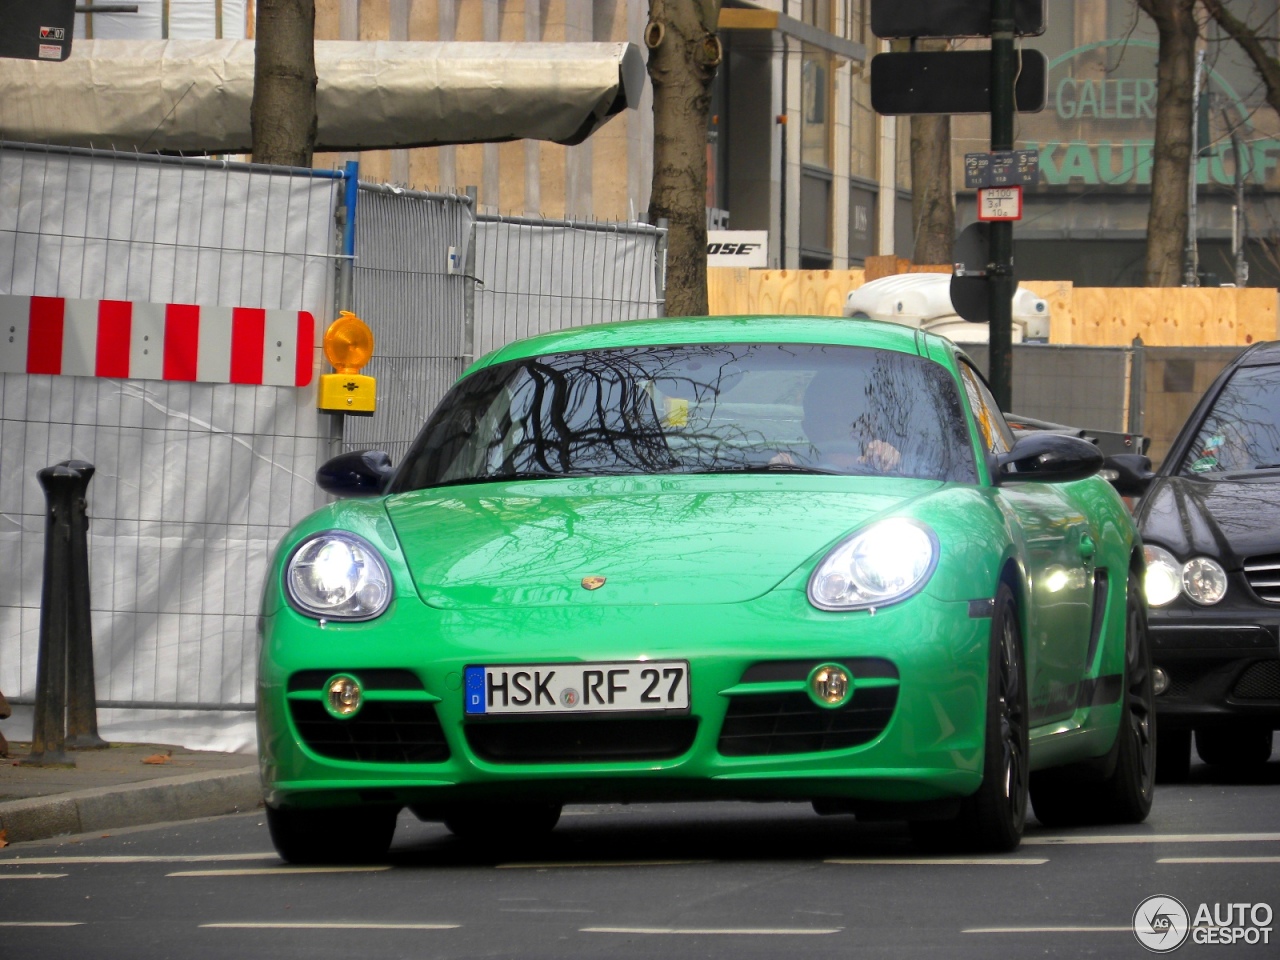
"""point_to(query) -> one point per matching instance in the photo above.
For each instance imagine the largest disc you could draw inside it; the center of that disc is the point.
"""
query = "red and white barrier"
(156, 341)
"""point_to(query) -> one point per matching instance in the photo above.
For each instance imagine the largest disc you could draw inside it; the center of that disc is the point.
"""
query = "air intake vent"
(1263, 574)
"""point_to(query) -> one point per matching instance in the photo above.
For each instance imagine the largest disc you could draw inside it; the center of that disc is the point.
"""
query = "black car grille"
(382, 732)
(772, 724)
(1263, 574)
(1260, 682)
(582, 740)
(403, 730)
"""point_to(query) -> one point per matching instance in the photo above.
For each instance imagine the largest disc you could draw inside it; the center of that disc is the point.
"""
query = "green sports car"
(761, 558)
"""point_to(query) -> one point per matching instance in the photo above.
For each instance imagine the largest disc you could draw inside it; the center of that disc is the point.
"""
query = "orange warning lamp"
(348, 345)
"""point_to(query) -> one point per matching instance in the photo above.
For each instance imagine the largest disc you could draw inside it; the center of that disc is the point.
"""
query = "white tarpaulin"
(194, 96)
(195, 482)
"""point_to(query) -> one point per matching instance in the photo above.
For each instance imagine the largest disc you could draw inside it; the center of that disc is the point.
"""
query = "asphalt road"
(678, 881)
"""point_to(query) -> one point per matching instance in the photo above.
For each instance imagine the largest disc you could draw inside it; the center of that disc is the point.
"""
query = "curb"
(186, 797)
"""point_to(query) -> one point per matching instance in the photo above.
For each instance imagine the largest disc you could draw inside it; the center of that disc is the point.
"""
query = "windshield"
(700, 408)
(1242, 430)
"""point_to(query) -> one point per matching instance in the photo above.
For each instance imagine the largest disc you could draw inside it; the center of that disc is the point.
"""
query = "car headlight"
(1163, 580)
(886, 562)
(1200, 578)
(336, 575)
(1204, 580)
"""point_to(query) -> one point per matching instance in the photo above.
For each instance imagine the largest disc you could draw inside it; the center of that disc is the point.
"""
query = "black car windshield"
(1241, 432)
(697, 408)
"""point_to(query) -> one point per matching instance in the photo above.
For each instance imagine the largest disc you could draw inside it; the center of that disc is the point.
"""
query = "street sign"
(37, 31)
(951, 81)
(950, 18)
(970, 291)
(1000, 203)
(1002, 168)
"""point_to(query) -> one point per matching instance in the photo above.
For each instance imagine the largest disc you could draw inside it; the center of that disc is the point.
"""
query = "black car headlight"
(336, 575)
(883, 563)
(1202, 579)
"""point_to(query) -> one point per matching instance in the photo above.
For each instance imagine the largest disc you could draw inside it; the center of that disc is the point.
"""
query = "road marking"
(942, 861)
(175, 858)
(31, 876)
(601, 863)
(1153, 838)
(1218, 860)
(353, 925)
(272, 871)
(1128, 929)
(41, 923)
(719, 931)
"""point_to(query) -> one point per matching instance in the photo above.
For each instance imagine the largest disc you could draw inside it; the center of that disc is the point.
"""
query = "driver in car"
(838, 421)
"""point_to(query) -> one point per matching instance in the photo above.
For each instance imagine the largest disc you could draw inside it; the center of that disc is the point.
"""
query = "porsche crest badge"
(593, 583)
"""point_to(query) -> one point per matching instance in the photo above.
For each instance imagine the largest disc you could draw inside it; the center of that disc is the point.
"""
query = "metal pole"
(1000, 269)
(1238, 224)
(48, 736)
(1191, 254)
(82, 712)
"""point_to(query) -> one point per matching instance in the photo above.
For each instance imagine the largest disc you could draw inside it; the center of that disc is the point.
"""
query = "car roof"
(840, 331)
(1261, 354)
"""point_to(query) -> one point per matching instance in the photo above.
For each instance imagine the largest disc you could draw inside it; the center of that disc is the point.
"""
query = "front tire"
(339, 835)
(490, 823)
(1236, 747)
(993, 818)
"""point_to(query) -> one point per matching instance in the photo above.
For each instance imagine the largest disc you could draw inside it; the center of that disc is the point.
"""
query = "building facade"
(794, 148)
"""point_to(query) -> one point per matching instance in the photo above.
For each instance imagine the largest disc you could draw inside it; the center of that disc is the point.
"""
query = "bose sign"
(737, 248)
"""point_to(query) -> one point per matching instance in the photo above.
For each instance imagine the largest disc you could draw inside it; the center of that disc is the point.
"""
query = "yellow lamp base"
(351, 393)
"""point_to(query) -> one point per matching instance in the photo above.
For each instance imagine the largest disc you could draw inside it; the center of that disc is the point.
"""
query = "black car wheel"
(992, 819)
(505, 822)
(1235, 746)
(1173, 756)
(1120, 787)
(336, 835)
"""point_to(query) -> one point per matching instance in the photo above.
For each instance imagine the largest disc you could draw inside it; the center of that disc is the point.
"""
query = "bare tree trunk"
(283, 114)
(1175, 72)
(684, 51)
(933, 209)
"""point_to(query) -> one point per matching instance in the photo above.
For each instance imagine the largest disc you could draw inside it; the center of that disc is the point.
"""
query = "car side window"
(991, 423)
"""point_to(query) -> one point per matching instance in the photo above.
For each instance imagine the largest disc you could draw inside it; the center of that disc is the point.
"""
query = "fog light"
(830, 685)
(1159, 681)
(342, 696)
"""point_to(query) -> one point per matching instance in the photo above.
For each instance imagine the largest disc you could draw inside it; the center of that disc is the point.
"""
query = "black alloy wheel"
(993, 818)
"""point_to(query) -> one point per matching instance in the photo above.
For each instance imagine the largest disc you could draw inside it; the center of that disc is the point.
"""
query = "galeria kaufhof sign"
(1105, 125)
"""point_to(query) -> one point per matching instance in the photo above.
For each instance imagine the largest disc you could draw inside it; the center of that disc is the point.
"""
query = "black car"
(1210, 522)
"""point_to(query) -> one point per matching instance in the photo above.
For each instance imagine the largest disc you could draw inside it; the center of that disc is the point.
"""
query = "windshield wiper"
(773, 468)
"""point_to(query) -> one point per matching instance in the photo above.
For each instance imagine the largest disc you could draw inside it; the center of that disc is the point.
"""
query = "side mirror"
(1043, 457)
(1129, 473)
(363, 473)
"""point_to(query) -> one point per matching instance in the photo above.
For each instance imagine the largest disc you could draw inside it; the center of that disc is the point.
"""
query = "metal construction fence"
(441, 285)
(196, 480)
(105, 258)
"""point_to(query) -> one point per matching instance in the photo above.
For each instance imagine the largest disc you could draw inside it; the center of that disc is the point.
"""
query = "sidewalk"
(124, 785)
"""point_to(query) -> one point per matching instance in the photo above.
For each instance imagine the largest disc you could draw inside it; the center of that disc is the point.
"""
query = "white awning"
(194, 96)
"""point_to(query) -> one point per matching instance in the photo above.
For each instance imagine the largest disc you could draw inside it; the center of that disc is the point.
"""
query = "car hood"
(676, 540)
(1226, 519)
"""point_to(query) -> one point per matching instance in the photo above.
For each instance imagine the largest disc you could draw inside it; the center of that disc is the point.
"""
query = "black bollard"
(82, 705)
(49, 730)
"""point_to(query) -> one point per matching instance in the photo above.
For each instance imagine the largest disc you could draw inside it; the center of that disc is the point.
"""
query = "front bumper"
(1223, 664)
(913, 730)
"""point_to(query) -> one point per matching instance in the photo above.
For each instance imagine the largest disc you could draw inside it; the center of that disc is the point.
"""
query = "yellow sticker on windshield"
(675, 412)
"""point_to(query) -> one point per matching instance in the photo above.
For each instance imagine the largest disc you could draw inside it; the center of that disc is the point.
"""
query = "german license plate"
(578, 687)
